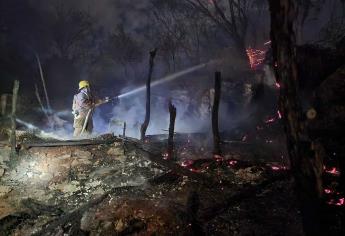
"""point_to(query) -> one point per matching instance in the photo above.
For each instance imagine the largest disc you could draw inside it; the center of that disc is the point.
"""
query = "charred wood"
(146, 151)
(124, 129)
(144, 126)
(172, 111)
(85, 142)
(36, 208)
(193, 205)
(236, 196)
(215, 111)
(167, 177)
(3, 104)
(73, 218)
(13, 120)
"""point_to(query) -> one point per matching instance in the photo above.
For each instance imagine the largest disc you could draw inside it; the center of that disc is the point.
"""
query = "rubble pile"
(122, 187)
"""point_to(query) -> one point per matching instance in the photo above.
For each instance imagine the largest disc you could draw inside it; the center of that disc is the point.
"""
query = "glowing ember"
(232, 162)
(256, 57)
(271, 120)
(328, 191)
(333, 171)
(338, 202)
(194, 170)
(187, 163)
(277, 85)
(279, 114)
(244, 138)
(165, 156)
(278, 167)
(268, 42)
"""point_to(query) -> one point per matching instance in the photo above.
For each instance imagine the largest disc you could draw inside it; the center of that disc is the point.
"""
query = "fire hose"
(86, 121)
(106, 100)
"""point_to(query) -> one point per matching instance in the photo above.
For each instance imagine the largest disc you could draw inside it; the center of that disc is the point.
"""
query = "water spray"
(28, 125)
(165, 79)
(39, 131)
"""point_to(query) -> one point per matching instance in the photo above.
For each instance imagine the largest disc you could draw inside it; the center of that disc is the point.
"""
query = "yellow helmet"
(83, 84)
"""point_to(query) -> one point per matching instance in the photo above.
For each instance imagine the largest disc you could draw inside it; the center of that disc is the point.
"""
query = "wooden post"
(43, 82)
(3, 104)
(306, 166)
(13, 120)
(124, 129)
(144, 126)
(172, 111)
(215, 110)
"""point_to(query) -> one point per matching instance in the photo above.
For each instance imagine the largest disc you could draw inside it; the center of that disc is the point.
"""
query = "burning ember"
(165, 156)
(232, 162)
(187, 163)
(337, 202)
(256, 57)
(327, 191)
(278, 167)
(271, 120)
(332, 171)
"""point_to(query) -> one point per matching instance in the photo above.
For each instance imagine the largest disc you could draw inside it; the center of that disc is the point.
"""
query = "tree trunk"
(306, 166)
(148, 96)
(13, 120)
(172, 111)
(215, 110)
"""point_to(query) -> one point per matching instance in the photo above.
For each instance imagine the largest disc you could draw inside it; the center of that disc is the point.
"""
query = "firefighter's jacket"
(83, 102)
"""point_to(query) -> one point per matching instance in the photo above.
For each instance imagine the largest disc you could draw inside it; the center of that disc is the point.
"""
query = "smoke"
(132, 111)
(62, 133)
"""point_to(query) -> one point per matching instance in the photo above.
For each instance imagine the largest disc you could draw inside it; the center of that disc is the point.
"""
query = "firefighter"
(83, 105)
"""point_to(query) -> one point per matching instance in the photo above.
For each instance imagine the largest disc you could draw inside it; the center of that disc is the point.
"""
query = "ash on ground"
(116, 188)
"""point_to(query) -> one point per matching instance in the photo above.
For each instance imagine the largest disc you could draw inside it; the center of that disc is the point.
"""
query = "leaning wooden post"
(40, 102)
(144, 126)
(172, 111)
(215, 109)
(43, 82)
(13, 120)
